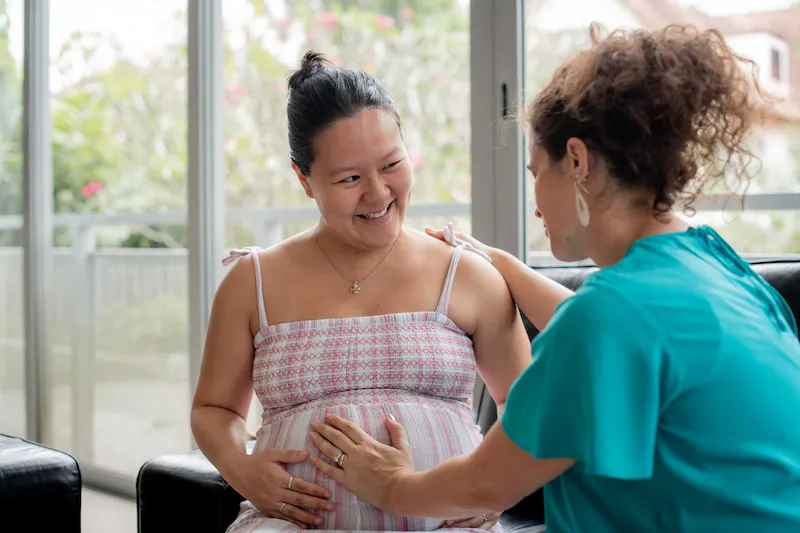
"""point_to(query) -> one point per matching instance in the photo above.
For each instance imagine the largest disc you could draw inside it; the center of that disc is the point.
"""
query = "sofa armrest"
(38, 486)
(184, 492)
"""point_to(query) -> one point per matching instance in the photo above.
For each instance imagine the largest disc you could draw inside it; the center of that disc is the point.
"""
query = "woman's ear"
(580, 158)
(303, 180)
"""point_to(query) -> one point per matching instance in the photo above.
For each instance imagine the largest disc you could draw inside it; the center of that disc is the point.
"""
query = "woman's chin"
(380, 237)
(564, 253)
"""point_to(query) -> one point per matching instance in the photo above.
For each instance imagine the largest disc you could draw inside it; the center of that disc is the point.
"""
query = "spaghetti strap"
(444, 299)
(234, 255)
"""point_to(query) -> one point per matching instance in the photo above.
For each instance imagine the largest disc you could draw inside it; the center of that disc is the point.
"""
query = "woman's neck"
(612, 235)
(349, 254)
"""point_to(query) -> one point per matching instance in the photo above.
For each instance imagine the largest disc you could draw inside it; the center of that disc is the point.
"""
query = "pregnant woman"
(358, 317)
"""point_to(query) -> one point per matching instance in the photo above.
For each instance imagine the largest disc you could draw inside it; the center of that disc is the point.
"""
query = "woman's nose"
(537, 213)
(377, 189)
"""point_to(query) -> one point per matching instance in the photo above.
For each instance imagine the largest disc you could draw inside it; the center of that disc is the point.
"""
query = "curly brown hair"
(668, 111)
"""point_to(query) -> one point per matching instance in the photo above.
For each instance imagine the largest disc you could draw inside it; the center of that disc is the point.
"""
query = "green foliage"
(157, 326)
(10, 123)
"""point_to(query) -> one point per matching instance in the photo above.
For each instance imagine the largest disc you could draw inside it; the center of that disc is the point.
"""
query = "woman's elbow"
(491, 497)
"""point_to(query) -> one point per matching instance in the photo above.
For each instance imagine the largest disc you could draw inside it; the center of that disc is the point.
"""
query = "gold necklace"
(355, 288)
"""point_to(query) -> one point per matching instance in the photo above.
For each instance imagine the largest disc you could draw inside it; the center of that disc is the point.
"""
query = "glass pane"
(119, 365)
(12, 331)
(756, 232)
(555, 30)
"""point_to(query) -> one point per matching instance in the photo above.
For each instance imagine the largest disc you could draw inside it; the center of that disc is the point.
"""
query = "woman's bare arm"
(536, 295)
(502, 348)
(223, 396)
(494, 477)
(225, 386)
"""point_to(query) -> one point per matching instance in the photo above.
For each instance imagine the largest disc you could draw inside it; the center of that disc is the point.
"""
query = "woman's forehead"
(372, 133)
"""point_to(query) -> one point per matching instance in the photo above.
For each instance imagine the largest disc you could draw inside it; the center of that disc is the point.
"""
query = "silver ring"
(280, 510)
(291, 478)
(340, 459)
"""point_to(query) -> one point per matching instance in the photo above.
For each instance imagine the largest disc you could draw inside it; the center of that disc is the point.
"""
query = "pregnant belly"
(436, 431)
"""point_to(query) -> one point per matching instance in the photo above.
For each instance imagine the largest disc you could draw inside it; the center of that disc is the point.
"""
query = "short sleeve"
(592, 392)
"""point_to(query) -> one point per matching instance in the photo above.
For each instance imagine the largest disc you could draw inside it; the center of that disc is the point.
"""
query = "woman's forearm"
(221, 435)
(452, 490)
(536, 295)
(493, 478)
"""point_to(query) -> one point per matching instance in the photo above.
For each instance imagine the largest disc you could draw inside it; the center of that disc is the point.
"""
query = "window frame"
(775, 64)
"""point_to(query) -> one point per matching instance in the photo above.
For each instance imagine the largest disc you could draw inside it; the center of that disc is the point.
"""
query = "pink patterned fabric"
(418, 366)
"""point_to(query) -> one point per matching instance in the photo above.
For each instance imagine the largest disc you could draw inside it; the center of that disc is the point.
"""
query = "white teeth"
(377, 215)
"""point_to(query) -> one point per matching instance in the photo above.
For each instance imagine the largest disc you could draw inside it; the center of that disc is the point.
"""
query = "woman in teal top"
(664, 395)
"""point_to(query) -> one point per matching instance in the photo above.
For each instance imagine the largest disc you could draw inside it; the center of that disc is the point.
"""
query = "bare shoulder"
(479, 273)
(430, 248)
(474, 273)
(285, 255)
(238, 283)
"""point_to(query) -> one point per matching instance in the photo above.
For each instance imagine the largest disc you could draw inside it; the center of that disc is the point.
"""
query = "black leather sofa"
(185, 492)
(40, 488)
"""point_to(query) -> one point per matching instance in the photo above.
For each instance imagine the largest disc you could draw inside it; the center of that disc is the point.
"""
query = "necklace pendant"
(355, 288)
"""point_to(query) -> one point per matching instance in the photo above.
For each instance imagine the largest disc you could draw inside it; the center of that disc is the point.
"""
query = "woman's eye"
(349, 179)
(392, 165)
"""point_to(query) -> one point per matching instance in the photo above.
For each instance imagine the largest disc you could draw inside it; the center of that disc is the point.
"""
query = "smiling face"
(554, 188)
(361, 179)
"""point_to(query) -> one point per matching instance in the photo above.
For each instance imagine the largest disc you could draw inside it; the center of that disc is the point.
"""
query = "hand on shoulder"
(452, 237)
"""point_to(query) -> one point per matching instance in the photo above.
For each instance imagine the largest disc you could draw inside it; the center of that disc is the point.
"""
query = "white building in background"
(771, 39)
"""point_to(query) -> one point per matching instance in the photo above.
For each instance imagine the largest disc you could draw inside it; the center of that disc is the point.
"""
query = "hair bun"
(311, 64)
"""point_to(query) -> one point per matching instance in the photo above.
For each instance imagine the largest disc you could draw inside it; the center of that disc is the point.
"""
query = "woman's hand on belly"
(262, 480)
(372, 471)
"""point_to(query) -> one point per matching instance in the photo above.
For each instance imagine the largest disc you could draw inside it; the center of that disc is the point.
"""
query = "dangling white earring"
(580, 203)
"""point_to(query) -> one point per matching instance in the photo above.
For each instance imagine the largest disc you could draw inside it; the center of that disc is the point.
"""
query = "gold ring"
(291, 478)
(484, 517)
(340, 459)
(281, 508)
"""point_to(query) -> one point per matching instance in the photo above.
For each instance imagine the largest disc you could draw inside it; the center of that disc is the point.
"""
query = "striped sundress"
(418, 366)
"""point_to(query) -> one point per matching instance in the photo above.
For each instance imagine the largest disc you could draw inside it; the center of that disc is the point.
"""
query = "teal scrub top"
(672, 378)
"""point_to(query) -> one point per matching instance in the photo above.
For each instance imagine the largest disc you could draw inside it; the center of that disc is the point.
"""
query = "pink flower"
(237, 90)
(91, 188)
(407, 13)
(384, 22)
(282, 24)
(328, 20)
(417, 162)
(233, 93)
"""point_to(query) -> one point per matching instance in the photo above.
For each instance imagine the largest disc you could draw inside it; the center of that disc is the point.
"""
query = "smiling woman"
(358, 316)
